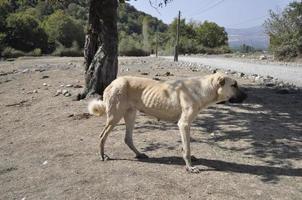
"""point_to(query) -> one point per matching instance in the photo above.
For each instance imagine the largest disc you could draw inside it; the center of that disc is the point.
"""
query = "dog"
(174, 100)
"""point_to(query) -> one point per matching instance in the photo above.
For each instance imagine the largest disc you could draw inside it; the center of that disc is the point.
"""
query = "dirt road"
(49, 145)
(290, 74)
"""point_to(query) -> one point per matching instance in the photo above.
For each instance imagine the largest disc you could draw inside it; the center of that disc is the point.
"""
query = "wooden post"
(156, 44)
(177, 39)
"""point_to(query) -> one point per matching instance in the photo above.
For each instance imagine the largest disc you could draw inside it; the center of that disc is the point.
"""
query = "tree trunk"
(101, 45)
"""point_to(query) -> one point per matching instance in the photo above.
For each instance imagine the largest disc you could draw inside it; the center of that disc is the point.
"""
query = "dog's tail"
(96, 107)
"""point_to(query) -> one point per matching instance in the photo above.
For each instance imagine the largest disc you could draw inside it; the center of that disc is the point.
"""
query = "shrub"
(128, 46)
(63, 29)
(10, 52)
(24, 32)
(73, 51)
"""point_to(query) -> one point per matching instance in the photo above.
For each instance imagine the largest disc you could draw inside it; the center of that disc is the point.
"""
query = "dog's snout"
(239, 97)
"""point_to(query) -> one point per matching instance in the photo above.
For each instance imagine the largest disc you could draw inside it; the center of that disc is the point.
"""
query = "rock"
(155, 78)
(25, 71)
(35, 91)
(240, 74)
(68, 85)
(145, 73)
(65, 92)
(61, 85)
(44, 84)
(77, 86)
(44, 77)
(169, 74)
(58, 92)
(263, 57)
(45, 162)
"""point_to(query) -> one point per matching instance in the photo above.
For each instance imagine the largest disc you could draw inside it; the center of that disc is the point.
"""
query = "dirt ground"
(49, 144)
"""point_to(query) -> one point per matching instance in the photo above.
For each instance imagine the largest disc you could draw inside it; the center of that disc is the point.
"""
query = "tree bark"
(101, 46)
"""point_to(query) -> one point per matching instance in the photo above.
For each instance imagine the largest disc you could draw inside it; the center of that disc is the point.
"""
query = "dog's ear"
(221, 81)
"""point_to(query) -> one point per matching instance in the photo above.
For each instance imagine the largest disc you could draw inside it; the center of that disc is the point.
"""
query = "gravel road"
(290, 74)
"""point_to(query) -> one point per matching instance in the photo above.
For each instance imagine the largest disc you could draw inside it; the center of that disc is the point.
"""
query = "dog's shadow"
(267, 173)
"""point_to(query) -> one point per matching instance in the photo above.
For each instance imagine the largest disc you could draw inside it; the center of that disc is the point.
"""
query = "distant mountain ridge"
(254, 36)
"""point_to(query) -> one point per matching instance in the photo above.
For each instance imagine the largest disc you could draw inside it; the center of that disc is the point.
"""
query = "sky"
(227, 13)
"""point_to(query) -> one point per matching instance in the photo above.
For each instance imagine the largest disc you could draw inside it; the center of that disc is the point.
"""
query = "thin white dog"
(176, 100)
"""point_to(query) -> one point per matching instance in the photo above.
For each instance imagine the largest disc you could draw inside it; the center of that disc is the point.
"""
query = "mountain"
(254, 36)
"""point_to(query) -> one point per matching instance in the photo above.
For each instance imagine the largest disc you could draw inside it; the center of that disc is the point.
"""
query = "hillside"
(254, 36)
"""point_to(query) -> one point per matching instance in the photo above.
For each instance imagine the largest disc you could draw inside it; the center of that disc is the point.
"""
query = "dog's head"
(227, 89)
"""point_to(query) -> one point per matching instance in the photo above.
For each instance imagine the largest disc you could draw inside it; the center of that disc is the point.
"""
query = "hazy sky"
(227, 13)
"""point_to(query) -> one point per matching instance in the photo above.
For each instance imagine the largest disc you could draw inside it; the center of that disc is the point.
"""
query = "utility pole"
(156, 44)
(177, 39)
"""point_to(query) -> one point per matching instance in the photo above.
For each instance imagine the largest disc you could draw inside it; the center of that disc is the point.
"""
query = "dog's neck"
(208, 94)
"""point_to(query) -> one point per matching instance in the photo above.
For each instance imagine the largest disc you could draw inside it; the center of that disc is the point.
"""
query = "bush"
(285, 32)
(63, 29)
(10, 52)
(130, 46)
(286, 52)
(73, 51)
(24, 32)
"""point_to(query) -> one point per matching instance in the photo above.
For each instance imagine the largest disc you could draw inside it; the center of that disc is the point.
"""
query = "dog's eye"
(235, 85)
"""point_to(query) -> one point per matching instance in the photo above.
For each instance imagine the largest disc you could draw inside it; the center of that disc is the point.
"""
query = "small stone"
(45, 162)
(58, 92)
(262, 57)
(35, 91)
(25, 71)
(64, 92)
(67, 94)
(61, 85)
(45, 84)
(77, 86)
(44, 77)
(145, 73)
(69, 85)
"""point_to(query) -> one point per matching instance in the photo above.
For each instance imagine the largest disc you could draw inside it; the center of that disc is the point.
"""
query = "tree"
(209, 34)
(24, 32)
(100, 51)
(62, 28)
(285, 31)
(101, 46)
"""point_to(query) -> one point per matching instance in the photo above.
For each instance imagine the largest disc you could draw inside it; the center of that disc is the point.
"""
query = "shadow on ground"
(269, 124)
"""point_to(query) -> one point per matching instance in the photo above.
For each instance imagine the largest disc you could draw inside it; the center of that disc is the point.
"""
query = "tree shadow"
(267, 127)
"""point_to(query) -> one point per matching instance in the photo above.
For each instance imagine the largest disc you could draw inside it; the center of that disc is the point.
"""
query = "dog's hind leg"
(111, 122)
(129, 118)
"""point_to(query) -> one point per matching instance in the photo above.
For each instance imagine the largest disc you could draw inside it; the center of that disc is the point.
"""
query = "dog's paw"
(104, 157)
(193, 170)
(141, 156)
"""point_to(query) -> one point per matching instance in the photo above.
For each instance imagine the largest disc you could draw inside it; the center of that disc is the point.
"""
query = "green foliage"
(63, 29)
(211, 35)
(285, 31)
(24, 32)
(196, 38)
(131, 46)
(10, 52)
(73, 51)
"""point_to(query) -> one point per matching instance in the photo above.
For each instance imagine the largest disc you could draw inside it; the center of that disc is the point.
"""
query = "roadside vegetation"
(285, 31)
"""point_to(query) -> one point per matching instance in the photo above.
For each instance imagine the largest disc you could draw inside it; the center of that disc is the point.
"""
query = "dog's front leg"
(184, 125)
